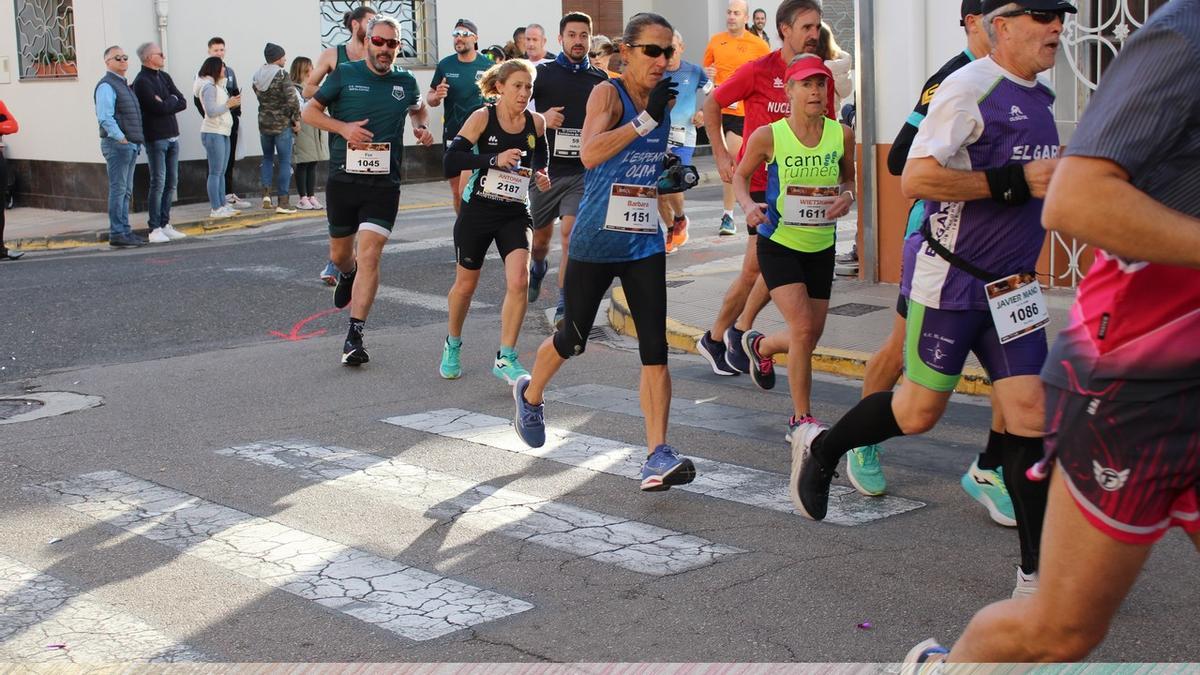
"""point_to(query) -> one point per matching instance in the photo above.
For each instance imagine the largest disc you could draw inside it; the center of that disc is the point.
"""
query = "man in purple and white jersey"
(982, 159)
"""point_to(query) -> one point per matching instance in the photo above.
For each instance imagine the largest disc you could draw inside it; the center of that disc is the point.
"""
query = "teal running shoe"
(986, 486)
(508, 368)
(864, 472)
(451, 368)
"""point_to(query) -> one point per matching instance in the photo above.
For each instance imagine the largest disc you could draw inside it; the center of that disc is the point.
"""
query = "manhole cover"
(11, 407)
(855, 309)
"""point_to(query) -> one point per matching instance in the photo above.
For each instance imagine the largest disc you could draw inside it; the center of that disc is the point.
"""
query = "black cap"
(1044, 5)
(272, 52)
(970, 7)
(468, 24)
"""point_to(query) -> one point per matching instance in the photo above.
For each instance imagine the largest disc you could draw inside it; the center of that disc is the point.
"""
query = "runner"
(367, 101)
(1123, 379)
(502, 145)
(686, 114)
(354, 49)
(984, 480)
(456, 80)
(618, 236)
(982, 159)
(726, 52)
(561, 92)
(810, 184)
(535, 45)
(760, 87)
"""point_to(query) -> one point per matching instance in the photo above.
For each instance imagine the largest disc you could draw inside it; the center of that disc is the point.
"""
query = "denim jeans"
(216, 146)
(277, 149)
(163, 156)
(121, 159)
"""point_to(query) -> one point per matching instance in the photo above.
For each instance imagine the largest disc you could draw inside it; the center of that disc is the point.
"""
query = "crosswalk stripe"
(418, 299)
(421, 245)
(630, 544)
(410, 602)
(740, 484)
(44, 620)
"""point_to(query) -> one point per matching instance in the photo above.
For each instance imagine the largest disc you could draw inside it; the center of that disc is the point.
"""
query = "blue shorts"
(937, 342)
(684, 154)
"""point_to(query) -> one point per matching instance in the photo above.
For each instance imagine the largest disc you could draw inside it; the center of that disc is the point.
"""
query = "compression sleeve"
(460, 156)
(541, 154)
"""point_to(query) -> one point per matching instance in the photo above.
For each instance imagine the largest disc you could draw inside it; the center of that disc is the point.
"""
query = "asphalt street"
(239, 496)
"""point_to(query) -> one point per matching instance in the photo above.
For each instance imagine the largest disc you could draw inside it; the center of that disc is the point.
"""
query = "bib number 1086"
(1025, 313)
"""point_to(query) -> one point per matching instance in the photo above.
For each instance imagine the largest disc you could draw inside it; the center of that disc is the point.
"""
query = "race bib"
(808, 205)
(568, 143)
(678, 136)
(509, 186)
(374, 159)
(1017, 306)
(632, 208)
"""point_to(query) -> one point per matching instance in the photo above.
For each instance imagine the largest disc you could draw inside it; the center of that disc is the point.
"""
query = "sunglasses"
(654, 51)
(462, 34)
(122, 57)
(379, 42)
(1044, 16)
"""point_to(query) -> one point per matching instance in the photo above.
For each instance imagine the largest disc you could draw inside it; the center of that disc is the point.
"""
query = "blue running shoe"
(664, 468)
(864, 472)
(735, 356)
(986, 486)
(537, 272)
(530, 420)
(560, 312)
(329, 275)
(727, 226)
(714, 353)
(451, 367)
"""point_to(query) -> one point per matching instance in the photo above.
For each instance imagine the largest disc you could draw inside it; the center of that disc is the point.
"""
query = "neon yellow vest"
(797, 164)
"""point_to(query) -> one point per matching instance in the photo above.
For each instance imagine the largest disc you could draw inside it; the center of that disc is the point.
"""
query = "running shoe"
(925, 659)
(986, 486)
(345, 288)
(157, 236)
(537, 272)
(507, 368)
(727, 227)
(664, 468)
(529, 420)
(762, 368)
(236, 201)
(795, 423)
(451, 368)
(808, 485)
(714, 353)
(864, 472)
(173, 233)
(353, 352)
(1027, 585)
(735, 356)
(329, 275)
(677, 236)
(560, 312)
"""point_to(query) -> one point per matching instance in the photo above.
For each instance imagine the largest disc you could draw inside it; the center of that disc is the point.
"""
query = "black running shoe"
(762, 368)
(353, 353)
(345, 288)
(809, 483)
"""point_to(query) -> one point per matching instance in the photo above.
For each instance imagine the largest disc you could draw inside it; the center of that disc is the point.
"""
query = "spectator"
(312, 144)
(160, 100)
(217, 105)
(840, 63)
(216, 47)
(601, 54)
(8, 125)
(121, 139)
(535, 45)
(278, 123)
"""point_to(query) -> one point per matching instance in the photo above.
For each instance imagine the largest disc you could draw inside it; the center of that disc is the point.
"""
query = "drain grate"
(855, 309)
(11, 407)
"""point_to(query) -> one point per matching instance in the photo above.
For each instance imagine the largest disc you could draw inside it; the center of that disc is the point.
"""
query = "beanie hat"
(272, 52)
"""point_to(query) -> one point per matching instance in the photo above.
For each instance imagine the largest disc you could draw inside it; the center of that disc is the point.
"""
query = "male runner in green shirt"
(456, 81)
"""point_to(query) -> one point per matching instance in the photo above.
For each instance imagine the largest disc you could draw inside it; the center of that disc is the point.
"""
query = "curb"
(191, 229)
(845, 362)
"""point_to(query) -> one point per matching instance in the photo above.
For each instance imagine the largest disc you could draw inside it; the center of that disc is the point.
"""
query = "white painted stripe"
(410, 602)
(43, 620)
(54, 403)
(744, 485)
(635, 546)
(436, 303)
(422, 245)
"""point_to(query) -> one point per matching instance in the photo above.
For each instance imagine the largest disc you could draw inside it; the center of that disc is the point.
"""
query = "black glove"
(660, 96)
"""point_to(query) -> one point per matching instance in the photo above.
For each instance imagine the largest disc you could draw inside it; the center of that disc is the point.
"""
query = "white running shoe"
(173, 233)
(223, 212)
(1027, 584)
(157, 236)
(317, 206)
(231, 211)
(236, 202)
(303, 204)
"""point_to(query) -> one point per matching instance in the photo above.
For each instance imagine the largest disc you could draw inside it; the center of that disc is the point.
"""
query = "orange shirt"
(728, 53)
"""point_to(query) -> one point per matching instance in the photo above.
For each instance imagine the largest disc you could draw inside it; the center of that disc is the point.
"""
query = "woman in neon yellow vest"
(810, 184)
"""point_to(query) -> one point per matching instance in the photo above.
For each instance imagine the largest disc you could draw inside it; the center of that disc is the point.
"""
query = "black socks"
(869, 422)
(1028, 497)
(357, 326)
(993, 455)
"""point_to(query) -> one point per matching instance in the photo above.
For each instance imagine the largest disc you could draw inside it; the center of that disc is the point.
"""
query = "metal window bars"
(418, 26)
(45, 39)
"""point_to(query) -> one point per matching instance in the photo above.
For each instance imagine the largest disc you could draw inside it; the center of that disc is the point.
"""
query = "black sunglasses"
(654, 51)
(1044, 16)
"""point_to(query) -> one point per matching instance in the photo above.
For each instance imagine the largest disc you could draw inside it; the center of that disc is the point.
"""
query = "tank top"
(618, 216)
(801, 183)
(497, 187)
(342, 55)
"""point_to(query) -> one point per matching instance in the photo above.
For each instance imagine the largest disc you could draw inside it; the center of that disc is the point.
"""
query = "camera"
(676, 176)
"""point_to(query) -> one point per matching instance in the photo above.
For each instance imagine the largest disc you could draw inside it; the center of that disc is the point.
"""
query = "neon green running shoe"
(508, 368)
(451, 368)
(862, 468)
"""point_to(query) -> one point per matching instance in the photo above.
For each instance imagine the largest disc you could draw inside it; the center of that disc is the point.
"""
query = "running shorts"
(733, 124)
(937, 342)
(645, 284)
(349, 206)
(781, 266)
(902, 305)
(478, 225)
(560, 201)
(1133, 467)
(759, 197)
(683, 153)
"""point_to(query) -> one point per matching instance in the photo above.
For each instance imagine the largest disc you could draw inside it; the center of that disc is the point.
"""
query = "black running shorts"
(350, 206)
(478, 225)
(781, 266)
(733, 124)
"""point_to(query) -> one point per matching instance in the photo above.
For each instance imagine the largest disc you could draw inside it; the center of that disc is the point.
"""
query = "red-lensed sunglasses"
(379, 42)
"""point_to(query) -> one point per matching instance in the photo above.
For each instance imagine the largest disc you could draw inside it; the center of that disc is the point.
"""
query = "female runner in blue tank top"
(617, 235)
(504, 146)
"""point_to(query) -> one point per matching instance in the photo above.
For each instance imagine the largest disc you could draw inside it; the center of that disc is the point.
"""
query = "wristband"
(643, 124)
(851, 193)
(1007, 184)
